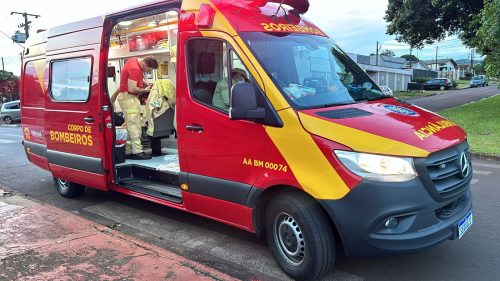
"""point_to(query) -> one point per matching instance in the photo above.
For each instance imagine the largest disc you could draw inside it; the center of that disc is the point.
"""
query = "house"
(445, 65)
(465, 70)
(385, 71)
(447, 68)
(421, 70)
(420, 65)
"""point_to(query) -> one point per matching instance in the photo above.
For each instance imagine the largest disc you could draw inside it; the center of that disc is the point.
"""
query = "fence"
(419, 73)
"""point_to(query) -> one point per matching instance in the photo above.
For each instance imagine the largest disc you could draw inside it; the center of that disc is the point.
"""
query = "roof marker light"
(299, 6)
(206, 16)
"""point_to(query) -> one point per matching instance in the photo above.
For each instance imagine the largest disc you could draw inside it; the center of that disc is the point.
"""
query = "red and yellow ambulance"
(308, 150)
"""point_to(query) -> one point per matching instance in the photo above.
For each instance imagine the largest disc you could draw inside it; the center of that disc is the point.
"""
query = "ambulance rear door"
(74, 122)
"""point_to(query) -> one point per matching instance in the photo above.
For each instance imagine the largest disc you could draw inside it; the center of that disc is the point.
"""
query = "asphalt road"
(243, 255)
(455, 98)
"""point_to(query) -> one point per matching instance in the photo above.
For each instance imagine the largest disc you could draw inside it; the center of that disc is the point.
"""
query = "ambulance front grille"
(450, 169)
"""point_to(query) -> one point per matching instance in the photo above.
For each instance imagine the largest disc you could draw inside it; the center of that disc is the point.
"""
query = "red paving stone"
(41, 242)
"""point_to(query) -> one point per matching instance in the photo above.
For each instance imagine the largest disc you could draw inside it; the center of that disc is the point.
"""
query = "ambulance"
(309, 151)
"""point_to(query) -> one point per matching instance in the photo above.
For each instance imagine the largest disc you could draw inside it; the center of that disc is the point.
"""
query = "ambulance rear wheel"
(68, 189)
(300, 236)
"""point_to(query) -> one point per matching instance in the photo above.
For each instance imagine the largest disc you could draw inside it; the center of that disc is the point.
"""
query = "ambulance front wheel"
(300, 236)
(68, 189)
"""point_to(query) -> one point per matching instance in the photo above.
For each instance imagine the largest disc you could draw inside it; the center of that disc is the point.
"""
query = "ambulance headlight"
(378, 167)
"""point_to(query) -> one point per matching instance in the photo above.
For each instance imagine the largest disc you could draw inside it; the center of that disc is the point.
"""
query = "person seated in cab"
(132, 87)
(221, 94)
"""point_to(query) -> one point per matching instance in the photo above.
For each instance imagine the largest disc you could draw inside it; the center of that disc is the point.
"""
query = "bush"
(455, 84)
(421, 79)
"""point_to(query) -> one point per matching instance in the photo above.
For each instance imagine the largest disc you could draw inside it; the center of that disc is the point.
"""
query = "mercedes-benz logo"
(464, 165)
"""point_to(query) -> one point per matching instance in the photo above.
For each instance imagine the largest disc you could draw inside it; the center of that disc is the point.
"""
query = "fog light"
(391, 223)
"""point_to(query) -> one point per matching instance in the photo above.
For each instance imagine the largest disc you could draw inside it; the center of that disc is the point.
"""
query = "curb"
(486, 156)
(11, 126)
(81, 247)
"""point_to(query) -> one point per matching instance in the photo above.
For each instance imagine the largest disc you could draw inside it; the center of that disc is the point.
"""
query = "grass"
(462, 84)
(416, 94)
(481, 121)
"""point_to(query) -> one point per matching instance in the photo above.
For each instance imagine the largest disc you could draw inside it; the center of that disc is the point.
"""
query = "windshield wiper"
(377, 98)
(331, 104)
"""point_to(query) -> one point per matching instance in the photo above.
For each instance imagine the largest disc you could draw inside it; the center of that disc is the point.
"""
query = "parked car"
(387, 91)
(438, 84)
(10, 112)
(479, 81)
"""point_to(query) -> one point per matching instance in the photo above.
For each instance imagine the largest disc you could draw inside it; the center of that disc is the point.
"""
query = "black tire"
(300, 236)
(68, 189)
(8, 120)
(442, 88)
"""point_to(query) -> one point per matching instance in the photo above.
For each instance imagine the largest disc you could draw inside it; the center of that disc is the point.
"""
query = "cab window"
(70, 80)
(213, 69)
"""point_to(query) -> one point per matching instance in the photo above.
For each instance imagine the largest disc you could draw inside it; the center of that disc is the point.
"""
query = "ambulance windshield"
(311, 71)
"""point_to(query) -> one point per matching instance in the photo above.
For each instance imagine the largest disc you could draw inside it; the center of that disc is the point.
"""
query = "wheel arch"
(260, 200)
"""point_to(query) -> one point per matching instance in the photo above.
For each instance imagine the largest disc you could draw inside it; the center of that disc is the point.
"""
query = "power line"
(13, 60)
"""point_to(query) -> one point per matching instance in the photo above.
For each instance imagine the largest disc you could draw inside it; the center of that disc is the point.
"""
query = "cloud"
(356, 25)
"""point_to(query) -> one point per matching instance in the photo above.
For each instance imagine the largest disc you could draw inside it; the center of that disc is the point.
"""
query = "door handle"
(195, 128)
(89, 120)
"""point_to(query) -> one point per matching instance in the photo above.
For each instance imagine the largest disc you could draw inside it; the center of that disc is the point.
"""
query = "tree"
(9, 85)
(419, 22)
(411, 58)
(487, 41)
(389, 53)
(480, 68)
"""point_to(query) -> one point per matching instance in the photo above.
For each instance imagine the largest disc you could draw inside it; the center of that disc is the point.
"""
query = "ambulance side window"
(207, 68)
(70, 79)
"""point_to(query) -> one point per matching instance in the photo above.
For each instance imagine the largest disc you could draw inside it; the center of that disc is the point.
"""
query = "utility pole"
(437, 48)
(26, 23)
(411, 50)
(376, 55)
(3, 66)
(472, 61)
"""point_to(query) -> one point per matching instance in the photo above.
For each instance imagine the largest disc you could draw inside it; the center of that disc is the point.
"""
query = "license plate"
(464, 225)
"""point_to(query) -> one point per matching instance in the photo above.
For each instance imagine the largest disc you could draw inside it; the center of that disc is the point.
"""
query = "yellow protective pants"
(130, 105)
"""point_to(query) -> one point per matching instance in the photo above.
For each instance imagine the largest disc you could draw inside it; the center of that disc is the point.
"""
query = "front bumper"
(423, 221)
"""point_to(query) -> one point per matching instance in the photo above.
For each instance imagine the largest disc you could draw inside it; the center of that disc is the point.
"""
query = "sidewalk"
(41, 242)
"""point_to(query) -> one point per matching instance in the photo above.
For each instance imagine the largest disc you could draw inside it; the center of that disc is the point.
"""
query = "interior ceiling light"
(172, 13)
(125, 23)
(152, 24)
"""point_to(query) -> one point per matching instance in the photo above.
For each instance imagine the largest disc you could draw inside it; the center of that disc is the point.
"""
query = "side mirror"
(244, 103)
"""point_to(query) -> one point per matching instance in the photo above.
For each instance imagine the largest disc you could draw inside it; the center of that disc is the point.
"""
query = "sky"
(356, 25)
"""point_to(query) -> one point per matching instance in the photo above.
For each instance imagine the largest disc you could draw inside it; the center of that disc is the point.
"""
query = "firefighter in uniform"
(131, 88)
